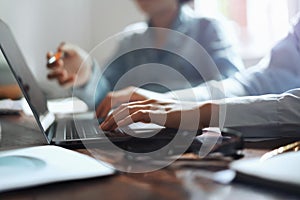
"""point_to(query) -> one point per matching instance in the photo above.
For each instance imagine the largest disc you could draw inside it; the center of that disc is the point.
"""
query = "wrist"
(209, 115)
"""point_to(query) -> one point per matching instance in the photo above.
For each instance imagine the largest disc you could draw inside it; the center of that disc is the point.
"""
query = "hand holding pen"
(64, 65)
(54, 58)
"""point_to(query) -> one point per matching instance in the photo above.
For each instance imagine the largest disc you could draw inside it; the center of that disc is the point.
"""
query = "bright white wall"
(40, 25)
(108, 19)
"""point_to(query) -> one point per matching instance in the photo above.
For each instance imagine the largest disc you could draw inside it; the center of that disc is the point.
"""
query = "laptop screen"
(11, 56)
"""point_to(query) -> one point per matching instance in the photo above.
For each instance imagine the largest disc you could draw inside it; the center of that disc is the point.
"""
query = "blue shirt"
(206, 32)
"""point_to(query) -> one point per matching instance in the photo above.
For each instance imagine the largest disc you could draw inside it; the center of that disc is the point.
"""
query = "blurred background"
(40, 25)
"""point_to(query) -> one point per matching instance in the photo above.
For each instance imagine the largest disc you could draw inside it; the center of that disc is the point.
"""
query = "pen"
(290, 147)
(58, 55)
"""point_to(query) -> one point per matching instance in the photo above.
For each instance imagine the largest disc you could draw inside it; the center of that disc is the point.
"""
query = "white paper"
(46, 164)
(67, 106)
(8, 104)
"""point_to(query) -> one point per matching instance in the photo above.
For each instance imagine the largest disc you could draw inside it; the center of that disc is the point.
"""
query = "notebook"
(40, 165)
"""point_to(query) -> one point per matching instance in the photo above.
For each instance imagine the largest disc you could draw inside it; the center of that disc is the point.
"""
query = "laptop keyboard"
(82, 129)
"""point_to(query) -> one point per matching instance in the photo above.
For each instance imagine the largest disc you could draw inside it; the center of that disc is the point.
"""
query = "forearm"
(209, 115)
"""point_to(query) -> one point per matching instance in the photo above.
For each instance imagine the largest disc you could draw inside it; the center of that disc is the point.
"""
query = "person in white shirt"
(279, 114)
(255, 116)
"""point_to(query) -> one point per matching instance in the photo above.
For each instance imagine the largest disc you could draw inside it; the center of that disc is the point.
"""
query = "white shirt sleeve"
(264, 116)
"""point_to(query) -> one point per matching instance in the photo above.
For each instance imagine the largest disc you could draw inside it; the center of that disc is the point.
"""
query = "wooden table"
(10, 91)
(173, 182)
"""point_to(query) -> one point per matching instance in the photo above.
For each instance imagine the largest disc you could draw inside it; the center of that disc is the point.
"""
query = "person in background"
(170, 14)
(278, 72)
(269, 115)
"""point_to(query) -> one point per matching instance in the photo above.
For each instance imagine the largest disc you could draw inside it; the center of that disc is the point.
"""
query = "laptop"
(62, 132)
